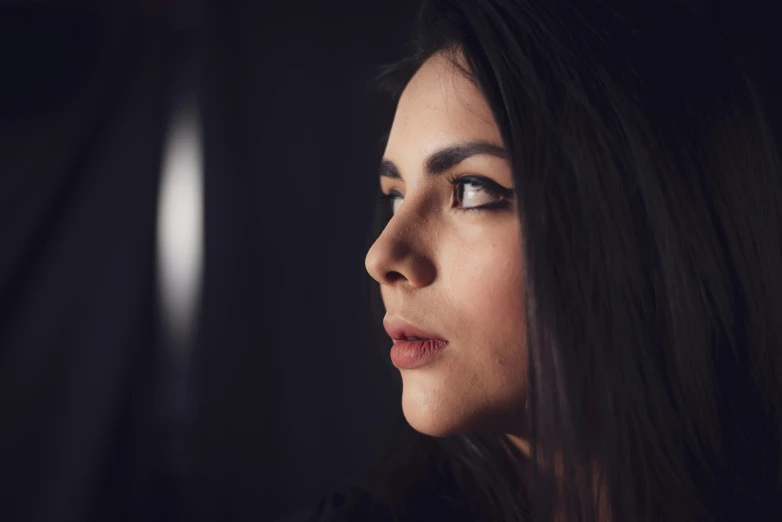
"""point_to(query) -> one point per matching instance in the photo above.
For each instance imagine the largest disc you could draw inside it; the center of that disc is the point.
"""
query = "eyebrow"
(447, 158)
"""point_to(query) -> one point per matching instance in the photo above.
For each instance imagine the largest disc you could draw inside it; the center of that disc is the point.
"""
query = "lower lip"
(413, 354)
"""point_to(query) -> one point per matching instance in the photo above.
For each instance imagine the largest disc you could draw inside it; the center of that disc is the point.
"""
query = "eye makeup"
(502, 196)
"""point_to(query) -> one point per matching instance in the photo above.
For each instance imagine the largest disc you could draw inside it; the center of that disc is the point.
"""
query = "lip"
(409, 353)
(414, 354)
(401, 330)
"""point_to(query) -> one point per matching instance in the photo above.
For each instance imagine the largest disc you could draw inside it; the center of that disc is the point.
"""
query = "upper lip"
(399, 329)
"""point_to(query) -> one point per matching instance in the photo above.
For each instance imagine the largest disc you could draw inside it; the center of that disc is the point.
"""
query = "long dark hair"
(650, 201)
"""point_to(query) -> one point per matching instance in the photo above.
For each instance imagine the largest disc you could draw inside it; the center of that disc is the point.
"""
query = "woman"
(581, 271)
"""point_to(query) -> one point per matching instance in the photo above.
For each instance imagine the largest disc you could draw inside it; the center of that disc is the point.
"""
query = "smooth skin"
(452, 268)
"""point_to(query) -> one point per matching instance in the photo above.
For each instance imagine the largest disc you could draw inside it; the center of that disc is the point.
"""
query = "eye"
(478, 193)
(469, 193)
(393, 200)
(396, 202)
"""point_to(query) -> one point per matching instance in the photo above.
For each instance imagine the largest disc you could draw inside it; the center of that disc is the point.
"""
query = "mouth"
(400, 330)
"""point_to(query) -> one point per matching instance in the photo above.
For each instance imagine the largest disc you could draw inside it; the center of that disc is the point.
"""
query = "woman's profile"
(581, 270)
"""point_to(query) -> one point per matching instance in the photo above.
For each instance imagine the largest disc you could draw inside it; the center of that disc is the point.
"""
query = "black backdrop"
(287, 393)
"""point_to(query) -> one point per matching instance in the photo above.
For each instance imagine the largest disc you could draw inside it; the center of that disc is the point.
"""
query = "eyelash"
(486, 184)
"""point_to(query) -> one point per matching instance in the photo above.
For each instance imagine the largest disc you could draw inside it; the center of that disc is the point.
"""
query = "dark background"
(286, 392)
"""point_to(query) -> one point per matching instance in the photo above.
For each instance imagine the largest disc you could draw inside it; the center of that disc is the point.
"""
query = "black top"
(415, 480)
(419, 488)
(358, 505)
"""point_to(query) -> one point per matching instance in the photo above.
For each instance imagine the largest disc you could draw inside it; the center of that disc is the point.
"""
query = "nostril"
(393, 277)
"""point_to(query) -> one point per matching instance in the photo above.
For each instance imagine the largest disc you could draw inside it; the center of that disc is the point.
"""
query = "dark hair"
(649, 196)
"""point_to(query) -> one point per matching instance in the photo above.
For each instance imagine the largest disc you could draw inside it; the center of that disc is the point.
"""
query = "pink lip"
(398, 329)
(414, 354)
(409, 353)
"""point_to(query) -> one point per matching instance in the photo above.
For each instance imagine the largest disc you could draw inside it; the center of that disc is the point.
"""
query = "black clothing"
(359, 505)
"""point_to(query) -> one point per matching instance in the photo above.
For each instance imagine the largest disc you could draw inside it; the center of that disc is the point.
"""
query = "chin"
(442, 415)
(436, 416)
(432, 426)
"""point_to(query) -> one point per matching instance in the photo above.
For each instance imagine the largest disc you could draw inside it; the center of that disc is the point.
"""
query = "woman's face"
(449, 261)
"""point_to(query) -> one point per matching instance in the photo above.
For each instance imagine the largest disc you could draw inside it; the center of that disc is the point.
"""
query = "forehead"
(438, 107)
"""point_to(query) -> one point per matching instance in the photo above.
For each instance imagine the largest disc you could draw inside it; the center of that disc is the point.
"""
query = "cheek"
(489, 367)
(488, 288)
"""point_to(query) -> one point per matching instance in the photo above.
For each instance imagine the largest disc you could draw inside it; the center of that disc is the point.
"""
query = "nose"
(394, 259)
